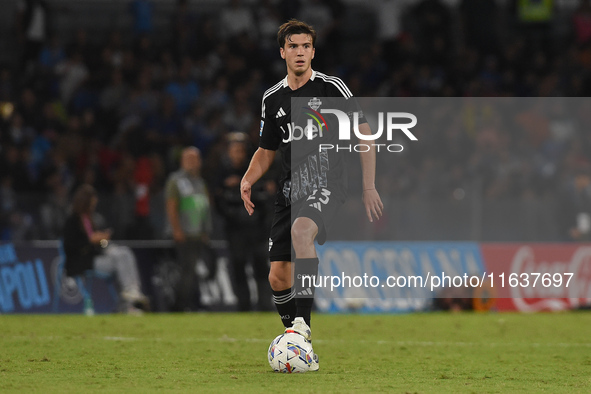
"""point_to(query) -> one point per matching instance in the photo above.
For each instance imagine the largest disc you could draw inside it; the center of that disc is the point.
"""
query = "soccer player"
(304, 207)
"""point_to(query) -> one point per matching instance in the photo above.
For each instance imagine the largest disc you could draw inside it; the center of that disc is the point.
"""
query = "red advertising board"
(539, 277)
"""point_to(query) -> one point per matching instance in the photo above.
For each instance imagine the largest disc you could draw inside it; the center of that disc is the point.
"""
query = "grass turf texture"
(362, 353)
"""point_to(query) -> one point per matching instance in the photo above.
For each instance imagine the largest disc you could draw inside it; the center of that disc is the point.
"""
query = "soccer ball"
(290, 353)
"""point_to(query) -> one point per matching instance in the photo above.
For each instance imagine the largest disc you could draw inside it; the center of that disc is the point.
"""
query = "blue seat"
(84, 283)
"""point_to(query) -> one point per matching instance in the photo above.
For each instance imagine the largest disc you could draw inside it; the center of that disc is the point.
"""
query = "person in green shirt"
(189, 219)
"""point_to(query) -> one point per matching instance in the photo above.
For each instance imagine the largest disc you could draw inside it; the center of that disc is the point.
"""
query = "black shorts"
(322, 206)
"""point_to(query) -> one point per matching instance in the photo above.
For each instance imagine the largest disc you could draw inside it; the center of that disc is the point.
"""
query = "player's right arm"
(259, 164)
(265, 154)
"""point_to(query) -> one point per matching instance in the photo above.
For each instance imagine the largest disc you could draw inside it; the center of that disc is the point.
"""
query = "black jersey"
(305, 167)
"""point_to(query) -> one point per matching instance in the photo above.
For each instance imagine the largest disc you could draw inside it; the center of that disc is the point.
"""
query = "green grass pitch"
(224, 352)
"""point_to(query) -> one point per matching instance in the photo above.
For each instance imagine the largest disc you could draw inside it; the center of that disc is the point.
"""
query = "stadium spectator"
(18, 133)
(113, 96)
(239, 113)
(113, 51)
(390, 26)
(119, 78)
(72, 73)
(268, 18)
(15, 168)
(246, 234)
(582, 22)
(143, 178)
(87, 246)
(185, 91)
(86, 49)
(51, 54)
(32, 29)
(534, 18)
(236, 19)
(575, 207)
(184, 32)
(208, 33)
(165, 68)
(434, 32)
(189, 219)
(204, 137)
(7, 85)
(317, 13)
(122, 207)
(29, 107)
(143, 99)
(480, 24)
(55, 209)
(144, 51)
(141, 10)
(7, 207)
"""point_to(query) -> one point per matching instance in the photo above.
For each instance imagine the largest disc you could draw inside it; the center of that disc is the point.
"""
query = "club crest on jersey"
(314, 103)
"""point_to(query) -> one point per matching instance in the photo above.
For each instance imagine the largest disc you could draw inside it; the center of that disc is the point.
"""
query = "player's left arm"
(371, 198)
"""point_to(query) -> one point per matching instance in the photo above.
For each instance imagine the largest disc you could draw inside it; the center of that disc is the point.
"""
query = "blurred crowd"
(114, 111)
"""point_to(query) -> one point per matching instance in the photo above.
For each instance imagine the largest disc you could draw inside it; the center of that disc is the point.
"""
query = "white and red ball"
(290, 353)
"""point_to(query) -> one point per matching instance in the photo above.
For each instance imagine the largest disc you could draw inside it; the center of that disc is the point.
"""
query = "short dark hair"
(294, 26)
(82, 199)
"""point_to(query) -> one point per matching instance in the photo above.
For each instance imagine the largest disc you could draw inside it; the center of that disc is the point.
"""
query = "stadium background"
(116, 88)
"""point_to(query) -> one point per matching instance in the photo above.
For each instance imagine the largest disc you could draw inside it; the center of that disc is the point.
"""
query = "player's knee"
(302, 235)
(278, 281)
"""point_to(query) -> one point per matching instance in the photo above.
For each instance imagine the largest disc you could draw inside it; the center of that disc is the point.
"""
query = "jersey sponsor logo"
(296, 133)
(270, 244)
(311, 130)
(281, 113)
(317, 117)
(261, 130)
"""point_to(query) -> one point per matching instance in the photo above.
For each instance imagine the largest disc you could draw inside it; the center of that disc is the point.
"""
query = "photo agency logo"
(388, 123)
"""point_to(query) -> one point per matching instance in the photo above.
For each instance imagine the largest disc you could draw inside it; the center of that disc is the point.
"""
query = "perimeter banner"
(562, 272)
(28, 283)
(376, 277)
(360, 277)
(25, 283)
(382, 277)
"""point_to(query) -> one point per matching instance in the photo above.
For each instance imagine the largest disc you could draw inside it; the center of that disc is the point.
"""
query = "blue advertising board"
(358, 262)
(28, 277)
